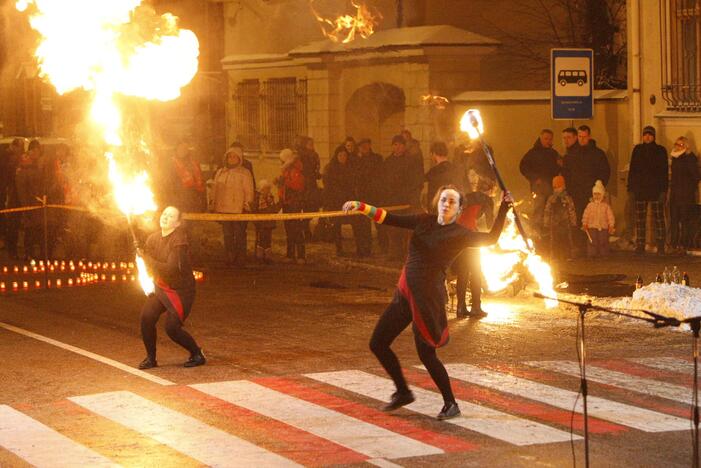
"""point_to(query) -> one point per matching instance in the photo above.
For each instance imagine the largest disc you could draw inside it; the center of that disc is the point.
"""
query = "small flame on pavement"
(344, 28)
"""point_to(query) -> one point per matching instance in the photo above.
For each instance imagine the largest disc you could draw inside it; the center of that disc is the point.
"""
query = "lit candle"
(15, 286)
(3, 288)
(58, 283)
(37, 284)
(4, 269)
(70, 281)
(25, 285)
(16, 269)
(25, 269)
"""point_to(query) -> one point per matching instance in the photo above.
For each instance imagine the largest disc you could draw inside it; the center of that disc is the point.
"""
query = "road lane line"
(477, 418)
(619, 379)
(88, 354)
(360, 436)
(182, 433)
(631, 416)
(41, 446)
(667, 363)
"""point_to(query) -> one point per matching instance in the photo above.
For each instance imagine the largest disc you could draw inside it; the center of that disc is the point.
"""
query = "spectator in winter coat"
(413, 147)
(291, 183)
(403, 179)
(559, 219)
(682, 194)
(311, 168)
(539, 165)
(30, 186)
(472, 156)
(368, 168)
(598, 222)
(569, 142)
(186, 181)
(8, 191)
(233, 193)
(351, 148)
(443, 171)
(339, 186)
(265, 203)
(647, 180)
(582, 168)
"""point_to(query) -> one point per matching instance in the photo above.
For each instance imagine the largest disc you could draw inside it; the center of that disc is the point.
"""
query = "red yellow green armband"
(376, 214)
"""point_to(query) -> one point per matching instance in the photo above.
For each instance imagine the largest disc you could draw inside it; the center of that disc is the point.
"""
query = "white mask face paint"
(448, 206)
(170, 219)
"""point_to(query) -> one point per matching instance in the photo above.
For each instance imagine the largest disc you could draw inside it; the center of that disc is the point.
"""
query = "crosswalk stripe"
(620, 380)
(631, 416)
(41, 446)
(183, 433)
(502, 426)
(365, 438)
(667, 363)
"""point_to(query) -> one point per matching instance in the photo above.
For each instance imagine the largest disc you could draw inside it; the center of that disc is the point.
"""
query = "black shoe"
(449, 411)
(148, 363)
(196, 360)
(398, 400)
(461, 311)
(476, 313)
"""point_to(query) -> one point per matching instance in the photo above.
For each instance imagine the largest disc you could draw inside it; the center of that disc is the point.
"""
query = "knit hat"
(287, 156)
(558, 182)
(598, 188)
(649, 129)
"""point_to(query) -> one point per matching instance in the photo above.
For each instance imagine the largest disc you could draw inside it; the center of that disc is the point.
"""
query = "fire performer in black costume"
(420, 296)
(167, 257)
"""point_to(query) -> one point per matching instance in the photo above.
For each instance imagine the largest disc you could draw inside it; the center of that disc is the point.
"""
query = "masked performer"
(167, 256)
(420, 296)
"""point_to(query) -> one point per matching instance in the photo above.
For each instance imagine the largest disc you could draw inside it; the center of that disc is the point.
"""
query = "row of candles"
(41, 267)
(82, 280)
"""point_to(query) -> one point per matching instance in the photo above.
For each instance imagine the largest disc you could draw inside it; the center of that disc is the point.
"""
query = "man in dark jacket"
(442, 173)
(539, 165)
(368, 167)
(647, 180)
(403, 179)
(583, 166)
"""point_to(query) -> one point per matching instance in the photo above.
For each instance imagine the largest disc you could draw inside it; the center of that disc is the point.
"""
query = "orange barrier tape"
(217, 216)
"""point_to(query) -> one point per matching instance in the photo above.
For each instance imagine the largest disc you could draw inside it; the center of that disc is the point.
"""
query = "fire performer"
(167, 256)
(420, 296)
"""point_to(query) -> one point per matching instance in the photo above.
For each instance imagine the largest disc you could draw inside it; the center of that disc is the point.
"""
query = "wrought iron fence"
(269, 115)
(680, 26)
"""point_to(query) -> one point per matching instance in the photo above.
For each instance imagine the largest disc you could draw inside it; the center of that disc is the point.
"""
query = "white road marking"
(487, 421)
(620, 380)
(631, 416)
(183, 433)
(42, 446)
(360, 436)
(667, 363)
(382, 463)
(88, 354)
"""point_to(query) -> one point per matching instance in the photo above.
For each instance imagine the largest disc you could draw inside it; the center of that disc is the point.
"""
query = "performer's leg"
(393, 321)
(150, 313)
(174, 328)
(435, 368)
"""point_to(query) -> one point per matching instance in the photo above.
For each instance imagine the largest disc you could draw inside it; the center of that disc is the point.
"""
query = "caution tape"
(214, 216)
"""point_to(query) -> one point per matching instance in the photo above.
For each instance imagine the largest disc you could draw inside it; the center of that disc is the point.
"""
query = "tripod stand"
(656, 320)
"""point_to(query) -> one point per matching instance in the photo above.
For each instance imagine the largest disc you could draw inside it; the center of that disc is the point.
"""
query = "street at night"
(290, 379)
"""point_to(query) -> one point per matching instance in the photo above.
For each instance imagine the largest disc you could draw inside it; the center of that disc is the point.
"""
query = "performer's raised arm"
(478, 239)
(382, 216)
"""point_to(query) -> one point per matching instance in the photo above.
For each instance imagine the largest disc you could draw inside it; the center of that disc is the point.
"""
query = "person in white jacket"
(598, 221)
(233, 194)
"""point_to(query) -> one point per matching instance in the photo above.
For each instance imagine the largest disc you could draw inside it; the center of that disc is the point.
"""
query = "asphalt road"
(290, 378)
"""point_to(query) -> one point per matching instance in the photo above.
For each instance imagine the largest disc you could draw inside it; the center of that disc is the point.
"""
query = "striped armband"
(376, 214)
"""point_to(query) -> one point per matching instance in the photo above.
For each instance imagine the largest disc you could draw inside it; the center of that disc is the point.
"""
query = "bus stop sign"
(571, 88)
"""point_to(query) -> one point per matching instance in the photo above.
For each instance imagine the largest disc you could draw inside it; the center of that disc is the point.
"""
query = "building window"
(270, 114)
(681, 44)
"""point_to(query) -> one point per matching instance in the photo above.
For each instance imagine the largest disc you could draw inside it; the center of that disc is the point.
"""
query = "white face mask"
(448, 206)
(170, 220)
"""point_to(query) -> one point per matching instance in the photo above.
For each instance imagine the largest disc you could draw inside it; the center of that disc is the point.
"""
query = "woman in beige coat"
(233, 194)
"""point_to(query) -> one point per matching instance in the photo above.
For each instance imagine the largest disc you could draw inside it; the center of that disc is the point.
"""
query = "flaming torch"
(513, 250)
(344, 28)
(121, 49)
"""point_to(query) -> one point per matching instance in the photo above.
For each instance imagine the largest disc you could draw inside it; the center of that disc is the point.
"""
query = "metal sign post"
(571, 84)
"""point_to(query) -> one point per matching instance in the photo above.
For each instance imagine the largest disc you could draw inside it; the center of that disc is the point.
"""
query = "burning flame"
(344, 28)
(439, 102)
(500, 263)
(113, 49)
(471, 123)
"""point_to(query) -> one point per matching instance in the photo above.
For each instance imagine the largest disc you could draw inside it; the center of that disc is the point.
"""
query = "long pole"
(46, 243)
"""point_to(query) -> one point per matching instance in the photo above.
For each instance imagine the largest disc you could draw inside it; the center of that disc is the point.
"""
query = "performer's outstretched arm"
(382, 216)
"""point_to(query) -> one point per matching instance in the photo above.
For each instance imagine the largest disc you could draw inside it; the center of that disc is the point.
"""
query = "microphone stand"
(656, 320)
(695, 324)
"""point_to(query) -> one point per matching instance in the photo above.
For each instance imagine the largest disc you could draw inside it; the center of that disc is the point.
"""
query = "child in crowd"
(559, 219)
(265, 203)
(598, 222)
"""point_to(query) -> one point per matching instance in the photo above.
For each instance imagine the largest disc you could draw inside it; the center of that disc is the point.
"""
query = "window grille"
(270, 114)
(680, 25)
